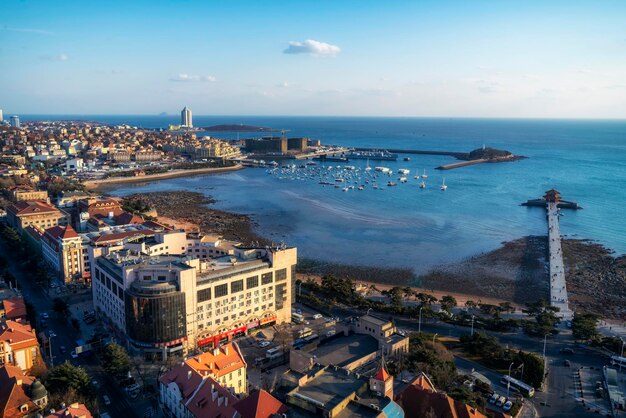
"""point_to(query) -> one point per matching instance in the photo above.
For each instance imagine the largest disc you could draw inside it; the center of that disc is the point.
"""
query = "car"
(566, 363)
(494, 398)
(62, 349)
(566, 351)
(299, 311)
(44, 315)
(507, 406)
(264, 343)
(330, 333)
(501, 401)
(132, 388)
(73, 354)
(51, 334)
(106, 400)
(94, 382)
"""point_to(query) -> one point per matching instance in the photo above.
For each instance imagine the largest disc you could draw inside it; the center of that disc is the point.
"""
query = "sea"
(409, 227)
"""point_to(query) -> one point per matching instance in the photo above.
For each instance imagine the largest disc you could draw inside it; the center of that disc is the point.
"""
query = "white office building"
(186, 118)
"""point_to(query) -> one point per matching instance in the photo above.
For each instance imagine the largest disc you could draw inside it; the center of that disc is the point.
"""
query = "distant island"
(482, 155)
(238, 128)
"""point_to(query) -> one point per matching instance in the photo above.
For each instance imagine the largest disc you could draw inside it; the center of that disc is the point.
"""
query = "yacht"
(391, 183)
(403, 179)
(404, 171)
(422, 185)
(443, 186)
(368, 168)
(360, 188)
(382, 169)
(345, 189)
(424, 176)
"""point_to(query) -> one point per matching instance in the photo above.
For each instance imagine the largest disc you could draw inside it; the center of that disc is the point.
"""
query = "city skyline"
(448, 59)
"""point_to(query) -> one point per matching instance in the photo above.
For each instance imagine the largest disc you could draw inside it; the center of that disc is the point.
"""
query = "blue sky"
(388, 58)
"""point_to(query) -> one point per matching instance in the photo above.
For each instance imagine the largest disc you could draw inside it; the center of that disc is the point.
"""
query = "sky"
(544, 59)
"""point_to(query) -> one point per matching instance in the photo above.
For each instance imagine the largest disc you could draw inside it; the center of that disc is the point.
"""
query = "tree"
(545, 319)
(448, 302)
(426, 299)
(584, 326)
(60, 306)
(470, 304)
(66, 376)
(116, 361)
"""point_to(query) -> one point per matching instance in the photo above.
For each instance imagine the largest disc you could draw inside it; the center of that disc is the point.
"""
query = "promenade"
(558, 287)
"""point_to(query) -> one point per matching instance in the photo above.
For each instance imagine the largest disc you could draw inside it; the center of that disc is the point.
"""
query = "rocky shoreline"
(517, 271)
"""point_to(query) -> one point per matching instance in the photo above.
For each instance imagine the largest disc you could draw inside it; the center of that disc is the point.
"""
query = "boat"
(391, 183)
(360, 188)
(443, 186)
(272, 164)
(339, 180)
(345, 189)
(368, 168)
(372, 155)
(422, 185)
(382, 169)
(404, 171)
(407, 158)
(311, 163)
(424, 176)
(403, 179)
(348, 167)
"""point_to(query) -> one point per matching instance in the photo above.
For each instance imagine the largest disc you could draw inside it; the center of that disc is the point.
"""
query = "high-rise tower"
(186, 119)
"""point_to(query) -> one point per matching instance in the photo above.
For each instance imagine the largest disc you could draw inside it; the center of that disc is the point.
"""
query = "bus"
(618, 361)
(305, 332)
(522, 387)
(273, 353)
(297, 318)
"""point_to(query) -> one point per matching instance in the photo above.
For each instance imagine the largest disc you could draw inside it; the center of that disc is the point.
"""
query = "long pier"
(414, 151)
(558, 286)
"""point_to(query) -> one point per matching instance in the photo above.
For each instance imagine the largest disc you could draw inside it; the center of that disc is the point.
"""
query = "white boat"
(424, 176)
(404, 171)
(368, 168)
(422, 185)
(443, 186)
(345, 189)
(348, 167)
(391, 183)
(382, 169)
(403, 179)
(360, 188)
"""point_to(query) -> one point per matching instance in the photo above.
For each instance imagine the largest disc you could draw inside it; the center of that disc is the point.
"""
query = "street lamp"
(368, 311)
(508, 382)
(300, 288)
(472, 325)
(434, 336)
(622, 355)
(545, 361)
(419, 323)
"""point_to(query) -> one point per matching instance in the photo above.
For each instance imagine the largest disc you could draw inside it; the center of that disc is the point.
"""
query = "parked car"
(566, 363)
(501, 401)
(494, 398)
(507, 406)
(264, 343)
(73, 354)
(51, 334)
(106, 400)
(44, 315)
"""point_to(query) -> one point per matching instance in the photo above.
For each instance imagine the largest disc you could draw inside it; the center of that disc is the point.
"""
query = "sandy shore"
(94, 184)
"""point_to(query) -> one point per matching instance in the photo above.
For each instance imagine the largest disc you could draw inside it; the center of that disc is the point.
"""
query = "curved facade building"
(155, 315)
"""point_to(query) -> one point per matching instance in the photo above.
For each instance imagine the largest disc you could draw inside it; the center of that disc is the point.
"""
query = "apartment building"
(37, 213)
(63, 251)
(18, 344)
(391, 343)
(200, 303)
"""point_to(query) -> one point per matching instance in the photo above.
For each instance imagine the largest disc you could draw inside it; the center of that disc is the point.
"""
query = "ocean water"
(405, 226)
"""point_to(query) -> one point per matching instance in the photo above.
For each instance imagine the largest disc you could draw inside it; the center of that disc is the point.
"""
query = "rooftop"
(329, 388)
(344, 351)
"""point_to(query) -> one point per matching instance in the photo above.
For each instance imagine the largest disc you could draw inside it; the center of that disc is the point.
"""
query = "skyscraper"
(1, 116)
(15, 121)
(186, 118)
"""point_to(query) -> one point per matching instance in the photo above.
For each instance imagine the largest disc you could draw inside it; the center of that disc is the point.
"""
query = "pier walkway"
(558, 287)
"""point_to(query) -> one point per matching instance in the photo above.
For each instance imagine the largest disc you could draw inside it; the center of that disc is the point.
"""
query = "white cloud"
(312, 47)
(59, 57)
(189, 77)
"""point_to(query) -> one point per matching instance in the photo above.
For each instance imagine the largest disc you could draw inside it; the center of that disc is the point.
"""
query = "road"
(66, 336)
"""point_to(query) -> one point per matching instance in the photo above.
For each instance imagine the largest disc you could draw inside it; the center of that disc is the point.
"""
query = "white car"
(44, 315)
(52, 334)
(494, 398)
(106, 400)
(264, 344)
(73, 354)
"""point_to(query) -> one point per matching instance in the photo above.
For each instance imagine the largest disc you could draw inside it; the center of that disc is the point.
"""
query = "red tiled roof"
(381, 374)
(13, 394)
(29, 207)
(63, 232)
(118, 236)
(75, 410)
(14, 308)
(17, 334)
(260, 404)
(126, 218)
(418, 402)
(226, 359)
(204, 405)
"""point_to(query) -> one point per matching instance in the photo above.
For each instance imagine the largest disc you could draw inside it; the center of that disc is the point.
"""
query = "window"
(267, 278)
(147, 277)
(161, 278)
(281, 275)
(236, 286)
(221, 290)
(252, 282)
(204, 295)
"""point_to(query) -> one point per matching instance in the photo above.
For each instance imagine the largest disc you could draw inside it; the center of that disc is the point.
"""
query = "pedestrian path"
(558, 287)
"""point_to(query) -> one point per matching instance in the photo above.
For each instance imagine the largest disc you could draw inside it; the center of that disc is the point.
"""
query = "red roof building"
(13, 308)
(75, 410)
(37, 213)
(260, 404)
(18, 344)
(62, 249)
(20, 395)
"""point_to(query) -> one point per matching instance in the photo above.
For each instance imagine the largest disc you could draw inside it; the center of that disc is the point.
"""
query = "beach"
(95, 184)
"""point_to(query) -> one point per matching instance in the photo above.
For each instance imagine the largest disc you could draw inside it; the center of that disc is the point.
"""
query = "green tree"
(115, 360)
(426, 299)
(584, 326)
(545, 319)
(448, 302)
(60, 306)
(66, 376)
